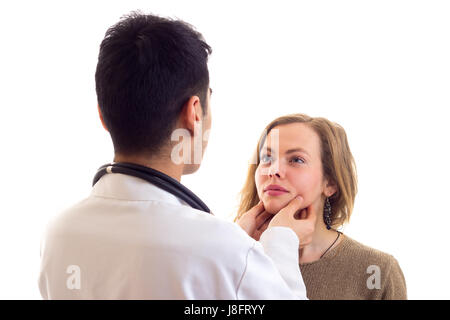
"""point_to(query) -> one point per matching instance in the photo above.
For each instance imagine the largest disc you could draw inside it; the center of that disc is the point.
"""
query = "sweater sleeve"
(272, 270)
(395, 285)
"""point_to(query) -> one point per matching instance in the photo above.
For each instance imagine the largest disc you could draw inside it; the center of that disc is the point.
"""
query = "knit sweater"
(353, 271)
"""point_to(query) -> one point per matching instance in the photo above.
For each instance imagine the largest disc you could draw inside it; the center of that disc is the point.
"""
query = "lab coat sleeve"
(272, 270)
(42, 281)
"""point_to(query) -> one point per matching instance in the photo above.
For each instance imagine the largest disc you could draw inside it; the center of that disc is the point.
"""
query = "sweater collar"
(332, 253)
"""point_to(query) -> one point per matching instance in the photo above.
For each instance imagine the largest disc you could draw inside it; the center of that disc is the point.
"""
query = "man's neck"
(163, 164)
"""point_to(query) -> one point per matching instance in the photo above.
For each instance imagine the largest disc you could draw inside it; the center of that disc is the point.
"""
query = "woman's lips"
(275, 192)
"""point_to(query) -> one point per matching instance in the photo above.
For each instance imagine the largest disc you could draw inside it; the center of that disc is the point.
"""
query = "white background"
(379, 68)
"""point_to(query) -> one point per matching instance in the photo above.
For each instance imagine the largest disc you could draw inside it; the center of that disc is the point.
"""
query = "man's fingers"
(256, 210)
(262, 217)
(259, 231)
(263, 226)
(257, 234)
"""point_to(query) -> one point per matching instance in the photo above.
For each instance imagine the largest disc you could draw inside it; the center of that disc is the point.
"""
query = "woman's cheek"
(258, 182)
(307, 186)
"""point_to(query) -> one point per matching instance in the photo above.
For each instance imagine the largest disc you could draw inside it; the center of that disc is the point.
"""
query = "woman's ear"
(330, 188)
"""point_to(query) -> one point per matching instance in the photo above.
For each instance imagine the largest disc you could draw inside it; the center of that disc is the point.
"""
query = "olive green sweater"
(354, 271)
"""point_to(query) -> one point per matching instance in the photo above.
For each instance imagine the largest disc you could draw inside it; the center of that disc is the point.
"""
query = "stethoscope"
(154, 177)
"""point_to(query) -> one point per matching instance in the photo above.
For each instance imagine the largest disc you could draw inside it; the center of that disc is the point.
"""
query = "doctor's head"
(151, 80)
(306, 156)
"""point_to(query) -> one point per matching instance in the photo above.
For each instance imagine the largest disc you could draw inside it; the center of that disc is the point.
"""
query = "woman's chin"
(273, 206)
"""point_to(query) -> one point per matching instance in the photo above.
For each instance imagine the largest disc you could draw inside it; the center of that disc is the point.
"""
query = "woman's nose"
(275, 174)
(275, 170)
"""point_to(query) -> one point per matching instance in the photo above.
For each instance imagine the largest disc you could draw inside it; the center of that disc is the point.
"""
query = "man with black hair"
(131, 239)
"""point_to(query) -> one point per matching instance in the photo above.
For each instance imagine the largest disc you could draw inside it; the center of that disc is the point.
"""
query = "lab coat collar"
(124, 187)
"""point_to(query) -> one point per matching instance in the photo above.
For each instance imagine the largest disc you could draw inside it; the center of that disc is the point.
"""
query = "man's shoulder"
(214, 229)
(154, 218)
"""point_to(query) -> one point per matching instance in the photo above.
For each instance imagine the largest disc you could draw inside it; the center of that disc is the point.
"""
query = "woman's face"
(295, 167)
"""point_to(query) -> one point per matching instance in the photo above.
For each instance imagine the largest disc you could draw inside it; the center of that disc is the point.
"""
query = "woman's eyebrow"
(291, 150)
(297, 150)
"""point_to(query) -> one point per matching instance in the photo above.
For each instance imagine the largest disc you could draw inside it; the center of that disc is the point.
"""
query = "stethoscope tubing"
(155, 177)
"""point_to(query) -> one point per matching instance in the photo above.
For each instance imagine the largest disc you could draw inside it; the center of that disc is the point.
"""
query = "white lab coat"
(132, 240)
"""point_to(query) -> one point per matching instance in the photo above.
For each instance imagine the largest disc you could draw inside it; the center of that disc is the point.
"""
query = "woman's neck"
(323, 240)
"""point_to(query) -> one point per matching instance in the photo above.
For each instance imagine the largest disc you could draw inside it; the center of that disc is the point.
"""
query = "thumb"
(255, 211)
(292, 207)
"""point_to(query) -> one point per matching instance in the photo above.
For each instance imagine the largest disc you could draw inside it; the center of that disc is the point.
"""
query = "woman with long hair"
(298, 155)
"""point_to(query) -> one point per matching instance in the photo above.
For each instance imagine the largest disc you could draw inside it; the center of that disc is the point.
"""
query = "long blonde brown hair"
(337, 163)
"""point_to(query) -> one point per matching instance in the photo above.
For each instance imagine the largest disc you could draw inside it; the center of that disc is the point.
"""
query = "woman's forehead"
(293, 136)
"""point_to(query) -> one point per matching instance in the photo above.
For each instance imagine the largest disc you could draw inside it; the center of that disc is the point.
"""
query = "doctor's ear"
(191, 114)
(101, 118)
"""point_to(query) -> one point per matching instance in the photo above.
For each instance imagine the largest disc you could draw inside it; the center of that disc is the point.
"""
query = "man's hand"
(301, 220)
(255, 221)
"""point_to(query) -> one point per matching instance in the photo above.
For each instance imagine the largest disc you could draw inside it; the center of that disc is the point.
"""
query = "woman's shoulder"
(366, 254)
(384, 270)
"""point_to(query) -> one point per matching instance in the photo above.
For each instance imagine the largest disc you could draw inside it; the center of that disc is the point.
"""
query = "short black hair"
(148, 68)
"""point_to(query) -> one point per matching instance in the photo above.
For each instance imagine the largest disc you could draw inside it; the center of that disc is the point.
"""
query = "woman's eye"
(298, 160)
(265, 159)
